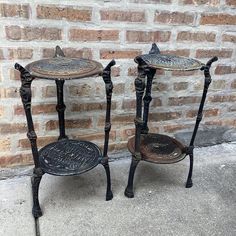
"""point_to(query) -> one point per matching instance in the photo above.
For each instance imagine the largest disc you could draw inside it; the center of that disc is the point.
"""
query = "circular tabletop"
(169, 62)
(64, 68)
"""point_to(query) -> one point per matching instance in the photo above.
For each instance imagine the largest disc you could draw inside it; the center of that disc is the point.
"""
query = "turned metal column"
(26, 94)
(147, 99)
(190, 148)
(61, 109)
(139, 87)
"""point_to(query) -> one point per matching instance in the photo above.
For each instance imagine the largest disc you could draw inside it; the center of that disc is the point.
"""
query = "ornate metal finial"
(154, 49)
(59, 52)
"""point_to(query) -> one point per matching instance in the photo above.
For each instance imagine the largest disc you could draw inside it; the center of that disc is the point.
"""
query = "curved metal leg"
(109, 194)
(129, 189)
(35, 181)
(189, 183)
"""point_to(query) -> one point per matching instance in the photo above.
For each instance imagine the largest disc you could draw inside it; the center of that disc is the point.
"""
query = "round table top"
(64, 68)
(168, 62)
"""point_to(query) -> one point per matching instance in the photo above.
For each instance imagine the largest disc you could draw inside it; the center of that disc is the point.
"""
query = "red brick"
(69, 52)
(229, 38)
(179, 101)
(207, 113)
(213, 122)
(70, 124)
(150, 1)
(116, 15)
(156, 102)
(196, 36)
(93, 35)
(20, 53)
(115, 71)
(183, 73)
(125, 134)
(119, 54)
(205, 53)
(147, 36)
(11, 92)
(218, 19)
(118, 120)
(231, 2)
(5, 144)
(49, 91)
(218, 84)
(36, 109)
(164, 116)
(221, 70)
(14, 74)
(202, 2)
(174, 128)
(27, 33)
(233, 84)
(175, 18)
(158, 86)
(91, 106)
(41, 141)
(1, 55)
(129, 104)
(119, 88)
(14, 10)
(222, 98)
(83, 90)
(180, 86)
(97, 137)
(6, 128)
(69, 13)
(178, 52)
(15, 160)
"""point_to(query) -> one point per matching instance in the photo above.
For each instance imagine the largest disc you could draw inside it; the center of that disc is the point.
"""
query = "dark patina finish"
(66, 156)
(157, 148)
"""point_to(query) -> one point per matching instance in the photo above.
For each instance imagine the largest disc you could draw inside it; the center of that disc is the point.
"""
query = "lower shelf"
(158, 148)
(69, 157)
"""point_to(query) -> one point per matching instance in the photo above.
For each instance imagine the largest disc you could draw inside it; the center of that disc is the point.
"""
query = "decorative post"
(190, 148)
(109, 87)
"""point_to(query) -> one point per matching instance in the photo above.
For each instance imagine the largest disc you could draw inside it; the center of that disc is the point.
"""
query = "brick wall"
(119, 29)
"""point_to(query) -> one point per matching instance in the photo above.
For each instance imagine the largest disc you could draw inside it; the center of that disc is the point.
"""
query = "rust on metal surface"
(64, 68)
(168, 62)
(159, 148)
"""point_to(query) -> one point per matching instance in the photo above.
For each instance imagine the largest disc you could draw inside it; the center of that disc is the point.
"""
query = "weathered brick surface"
(229, 38)
(196, 36)
(218, 19)
(93, 35)
(231, 2)
(69, 52)
(119, 29)
(14, 10)
(224, 53)
(20, 53)
(202, 2)
(68, 13)
(115, 15)
(124, 54)
(29, 33)
(147, 36)
(225, 69)
(175, 18)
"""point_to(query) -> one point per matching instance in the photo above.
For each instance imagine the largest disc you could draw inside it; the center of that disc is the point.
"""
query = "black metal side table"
(66, 156)
(152, 147)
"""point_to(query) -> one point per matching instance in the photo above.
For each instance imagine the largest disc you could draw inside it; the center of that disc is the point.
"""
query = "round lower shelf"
(69, 157)
(158, 148)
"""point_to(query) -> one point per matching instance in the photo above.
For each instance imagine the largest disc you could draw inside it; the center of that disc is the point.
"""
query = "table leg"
(61, 109)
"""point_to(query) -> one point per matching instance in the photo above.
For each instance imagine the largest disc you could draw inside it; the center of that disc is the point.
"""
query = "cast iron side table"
(158, 148)
(66, 156)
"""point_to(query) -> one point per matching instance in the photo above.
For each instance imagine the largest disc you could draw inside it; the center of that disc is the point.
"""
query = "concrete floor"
(75, 206)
